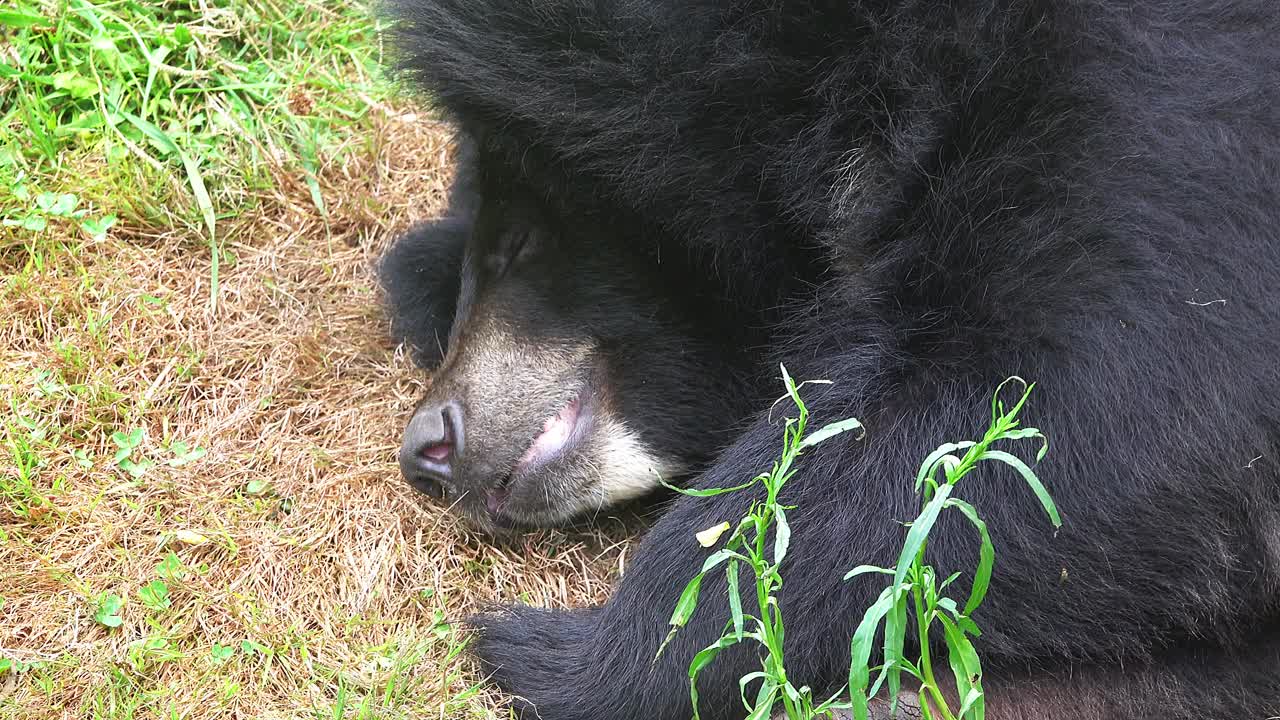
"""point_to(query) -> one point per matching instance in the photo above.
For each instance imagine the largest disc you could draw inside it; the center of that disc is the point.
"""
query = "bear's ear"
(422, 276)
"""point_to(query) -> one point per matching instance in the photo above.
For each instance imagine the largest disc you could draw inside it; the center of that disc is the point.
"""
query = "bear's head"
(573, 363)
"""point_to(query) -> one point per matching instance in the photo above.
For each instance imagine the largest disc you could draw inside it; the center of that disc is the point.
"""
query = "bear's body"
(1084, 193)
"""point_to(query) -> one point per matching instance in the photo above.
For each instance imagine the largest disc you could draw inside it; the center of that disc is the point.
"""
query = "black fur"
(423, 271)
(1085, 193)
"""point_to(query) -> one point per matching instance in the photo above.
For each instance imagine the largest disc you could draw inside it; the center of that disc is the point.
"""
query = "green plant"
(184, 454)
(108, 610)
(127, 444)
(914, 588)
(34, 211)
(155, 595)
(749, 546)
(220, 653)
(181, 106)
(915, 583)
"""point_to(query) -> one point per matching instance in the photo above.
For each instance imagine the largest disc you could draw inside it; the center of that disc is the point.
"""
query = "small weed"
(155, 596)
(129, 443)
(171, 568)
(17, 667)
(108, 612)
(221, 653)
(147, 652)
(33, 212)
(249, 647)
(749, 546)
(915, 586)
(184, 454)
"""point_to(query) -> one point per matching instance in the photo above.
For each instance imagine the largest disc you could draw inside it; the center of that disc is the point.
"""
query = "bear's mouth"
(560, 433)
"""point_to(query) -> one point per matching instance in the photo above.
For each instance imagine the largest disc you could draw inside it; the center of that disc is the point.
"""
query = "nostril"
(432, 444)
(455, 438)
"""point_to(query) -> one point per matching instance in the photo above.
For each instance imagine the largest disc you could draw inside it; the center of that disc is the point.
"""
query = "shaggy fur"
(1085, 193)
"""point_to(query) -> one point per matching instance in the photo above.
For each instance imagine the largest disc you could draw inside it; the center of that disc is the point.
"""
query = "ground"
(200, 509)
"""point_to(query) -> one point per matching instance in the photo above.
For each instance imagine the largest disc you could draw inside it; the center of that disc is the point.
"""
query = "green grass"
(164, 113)
(169, 171)
(913, 601)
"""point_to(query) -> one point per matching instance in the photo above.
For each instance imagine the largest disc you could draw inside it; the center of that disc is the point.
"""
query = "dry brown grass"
(295, 529)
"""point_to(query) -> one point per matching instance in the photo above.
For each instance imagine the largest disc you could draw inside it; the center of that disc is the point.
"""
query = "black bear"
(914, 200)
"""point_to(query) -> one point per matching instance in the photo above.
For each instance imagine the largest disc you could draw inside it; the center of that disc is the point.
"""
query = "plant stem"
(922, 629)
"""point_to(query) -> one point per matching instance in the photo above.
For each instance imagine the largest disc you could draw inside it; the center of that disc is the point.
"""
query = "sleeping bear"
(659, 201)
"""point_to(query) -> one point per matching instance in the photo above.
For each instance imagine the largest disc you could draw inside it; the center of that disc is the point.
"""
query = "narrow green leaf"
(746, 680)
(1030, 477)
(765, 708)
(781, 537)
(997, 407)
(831, 430)
(20, 20)
(895, 633)
(709, 492)
(970, 701)
(864, 569)
(707, 654)
(919, 531)
(735, 598)
(684, 610)
(688, 601)
(1021, 434)
(929, 466)
(702, 660)
(196, 181)
(965, 666)
(986, 556)
(860, 651)
(720, 556)
(788, 383)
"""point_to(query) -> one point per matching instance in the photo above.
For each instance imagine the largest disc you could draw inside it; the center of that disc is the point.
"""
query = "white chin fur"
(628, 469)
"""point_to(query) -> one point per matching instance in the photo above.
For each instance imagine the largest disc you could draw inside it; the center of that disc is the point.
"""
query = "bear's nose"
(432, 441)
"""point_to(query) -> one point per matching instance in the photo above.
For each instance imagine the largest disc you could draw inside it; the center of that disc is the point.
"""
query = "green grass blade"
(1029, 476)
(986, 556)
(860, 651)
(929, 467)
(919, 531)
(735, 598)
(782, 535)
(831, 430)
(196, 181)
(20, 20)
